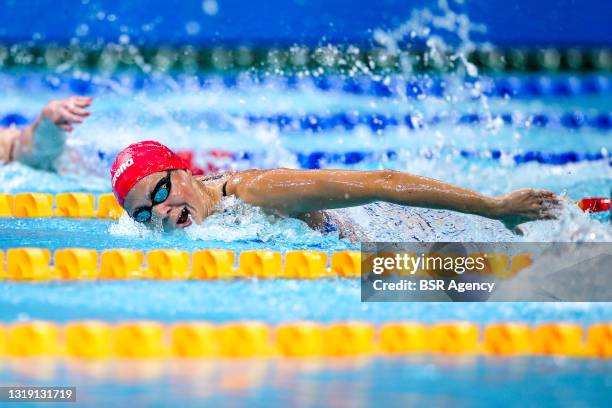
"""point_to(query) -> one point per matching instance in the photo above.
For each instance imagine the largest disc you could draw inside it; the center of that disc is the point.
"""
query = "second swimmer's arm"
(295, 192)
(41, 143)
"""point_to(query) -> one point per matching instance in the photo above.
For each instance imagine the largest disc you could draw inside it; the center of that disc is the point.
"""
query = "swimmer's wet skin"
(156, 187)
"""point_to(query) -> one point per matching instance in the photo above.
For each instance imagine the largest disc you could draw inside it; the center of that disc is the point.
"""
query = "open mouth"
(183, 218)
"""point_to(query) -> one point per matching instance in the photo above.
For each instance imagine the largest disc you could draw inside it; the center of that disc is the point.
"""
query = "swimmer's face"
(166, 197)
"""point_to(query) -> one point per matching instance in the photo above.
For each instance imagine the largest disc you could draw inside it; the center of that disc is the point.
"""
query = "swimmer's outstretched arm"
(296, 192)
(40, 144)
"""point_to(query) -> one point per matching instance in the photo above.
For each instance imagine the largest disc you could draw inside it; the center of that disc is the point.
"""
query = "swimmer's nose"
(162, 211)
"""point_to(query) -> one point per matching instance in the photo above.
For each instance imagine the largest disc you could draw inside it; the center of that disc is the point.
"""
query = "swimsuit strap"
(213, 177)
(216, 177)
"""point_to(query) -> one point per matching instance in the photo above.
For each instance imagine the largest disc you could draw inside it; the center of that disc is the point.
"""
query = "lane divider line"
(81, 205)
(379, 122)
(300, 59)
(388, 86)
(213, 161)
(34, 264)
(66, 205)
(69, 264)
(92, 339)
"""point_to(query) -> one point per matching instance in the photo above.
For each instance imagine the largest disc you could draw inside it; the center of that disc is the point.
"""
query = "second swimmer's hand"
(41, 143)
(524, 205)
(64, 113)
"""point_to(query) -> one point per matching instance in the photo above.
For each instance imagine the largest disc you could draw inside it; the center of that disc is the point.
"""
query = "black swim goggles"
(159, 194)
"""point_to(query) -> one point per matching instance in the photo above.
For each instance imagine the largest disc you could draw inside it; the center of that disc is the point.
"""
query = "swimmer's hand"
(524, 205)
(40, 144)
(65, 113)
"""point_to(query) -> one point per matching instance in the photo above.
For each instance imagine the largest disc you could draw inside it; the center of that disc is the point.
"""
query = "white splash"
(238, 221)
(572, 226)
(127, 227)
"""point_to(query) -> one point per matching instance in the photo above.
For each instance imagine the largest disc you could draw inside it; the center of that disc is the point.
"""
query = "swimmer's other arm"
(41, 143)
(297, 192)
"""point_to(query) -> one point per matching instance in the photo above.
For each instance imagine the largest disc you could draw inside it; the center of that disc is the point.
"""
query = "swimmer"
(156, 187)
(41, 143)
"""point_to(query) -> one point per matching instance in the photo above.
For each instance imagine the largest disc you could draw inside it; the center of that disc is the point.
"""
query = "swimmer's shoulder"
(235, 179)
(231, 181)
(226, 181)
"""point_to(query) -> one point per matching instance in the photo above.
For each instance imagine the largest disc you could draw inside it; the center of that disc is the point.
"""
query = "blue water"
(491, 133)
(406, 381)
(189, 115)
(272, 301)
(201, 114)
(198, 114)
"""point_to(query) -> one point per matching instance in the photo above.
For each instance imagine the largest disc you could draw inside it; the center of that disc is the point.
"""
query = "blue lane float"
(423, 86)
(15, 119)
(378, 122)
(321, 159)
(316, 160)
(525, 87)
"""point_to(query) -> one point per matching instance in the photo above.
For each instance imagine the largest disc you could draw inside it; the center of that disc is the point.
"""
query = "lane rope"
(95, 339)
(298, 58)
(83, 205)
(378, 122)
(68, 264)
(217, 159)
(390, 86)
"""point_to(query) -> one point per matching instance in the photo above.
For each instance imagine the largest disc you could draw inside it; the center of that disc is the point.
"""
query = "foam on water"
(572, 226)
(17, 178)
(127, 227)
(238, 221)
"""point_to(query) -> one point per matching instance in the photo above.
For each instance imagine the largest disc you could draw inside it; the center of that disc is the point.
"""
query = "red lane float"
(187, 156)
(209, 157)
(594, 204)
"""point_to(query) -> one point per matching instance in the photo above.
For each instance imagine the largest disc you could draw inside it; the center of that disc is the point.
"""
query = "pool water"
(269, 123)
(442, 139)
(405, 381)
(244, 120)
(490, 132)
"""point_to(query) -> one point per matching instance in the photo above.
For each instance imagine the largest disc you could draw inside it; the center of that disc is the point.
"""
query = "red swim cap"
(137, 161)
